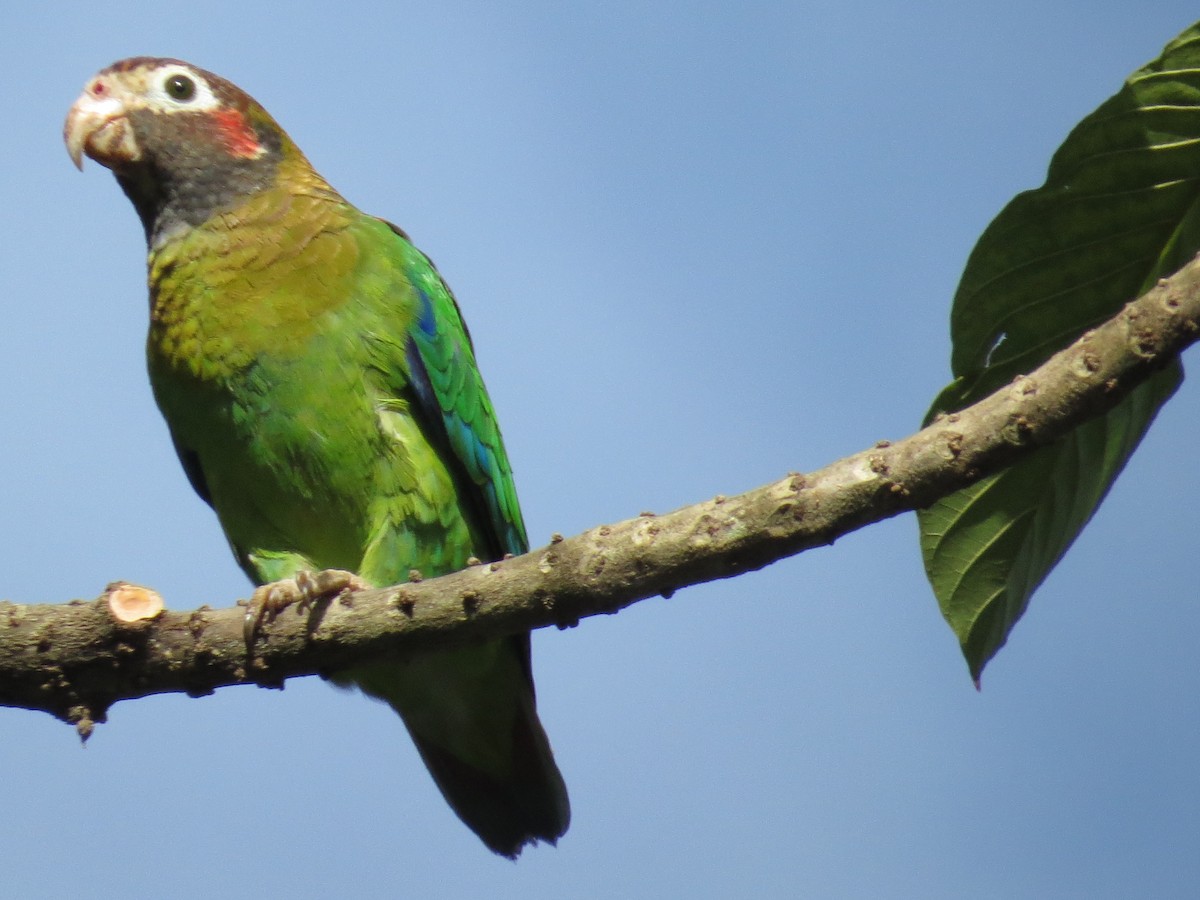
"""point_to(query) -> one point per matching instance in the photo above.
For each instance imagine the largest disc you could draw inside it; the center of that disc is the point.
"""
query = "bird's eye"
(180, 87)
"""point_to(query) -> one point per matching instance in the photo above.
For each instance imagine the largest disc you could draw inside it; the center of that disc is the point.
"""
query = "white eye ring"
(202, 97)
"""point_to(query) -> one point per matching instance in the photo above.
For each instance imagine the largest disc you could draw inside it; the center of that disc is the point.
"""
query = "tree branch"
(77, 659)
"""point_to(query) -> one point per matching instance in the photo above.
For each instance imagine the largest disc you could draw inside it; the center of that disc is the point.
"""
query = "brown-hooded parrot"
(321, 391)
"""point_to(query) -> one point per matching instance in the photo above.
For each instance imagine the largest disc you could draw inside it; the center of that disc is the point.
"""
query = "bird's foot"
(306, 588)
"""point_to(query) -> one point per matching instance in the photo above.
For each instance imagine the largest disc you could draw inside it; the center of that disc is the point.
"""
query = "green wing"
(451, 400)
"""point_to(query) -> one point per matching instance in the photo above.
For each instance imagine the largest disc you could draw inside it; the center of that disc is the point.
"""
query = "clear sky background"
(699, 245)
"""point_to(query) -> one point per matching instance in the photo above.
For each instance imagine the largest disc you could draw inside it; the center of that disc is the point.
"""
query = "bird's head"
(161, 112)
(183, 142)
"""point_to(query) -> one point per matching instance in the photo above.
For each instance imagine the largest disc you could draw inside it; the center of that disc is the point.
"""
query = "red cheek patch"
(236, 134)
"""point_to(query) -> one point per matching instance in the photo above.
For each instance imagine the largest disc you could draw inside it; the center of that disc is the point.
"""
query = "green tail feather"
(473, 717)
(531, 805)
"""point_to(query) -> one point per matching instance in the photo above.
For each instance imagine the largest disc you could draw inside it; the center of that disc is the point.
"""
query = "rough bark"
(74, 660)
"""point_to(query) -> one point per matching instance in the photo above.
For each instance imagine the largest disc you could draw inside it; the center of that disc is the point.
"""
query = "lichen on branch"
(75, 660)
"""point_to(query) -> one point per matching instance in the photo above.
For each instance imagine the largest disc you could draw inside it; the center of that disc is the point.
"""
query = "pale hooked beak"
(97, 126)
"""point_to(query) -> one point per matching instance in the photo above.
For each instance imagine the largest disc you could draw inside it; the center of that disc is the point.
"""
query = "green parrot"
(321, 391)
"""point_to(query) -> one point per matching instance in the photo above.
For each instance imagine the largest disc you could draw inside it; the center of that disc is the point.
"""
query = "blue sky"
(699, 246)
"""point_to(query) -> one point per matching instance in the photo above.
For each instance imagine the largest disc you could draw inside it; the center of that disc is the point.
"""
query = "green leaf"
(988, 547)
(1120, 208)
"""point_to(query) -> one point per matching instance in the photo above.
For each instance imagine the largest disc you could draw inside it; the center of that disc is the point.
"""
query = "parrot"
(321, 391)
